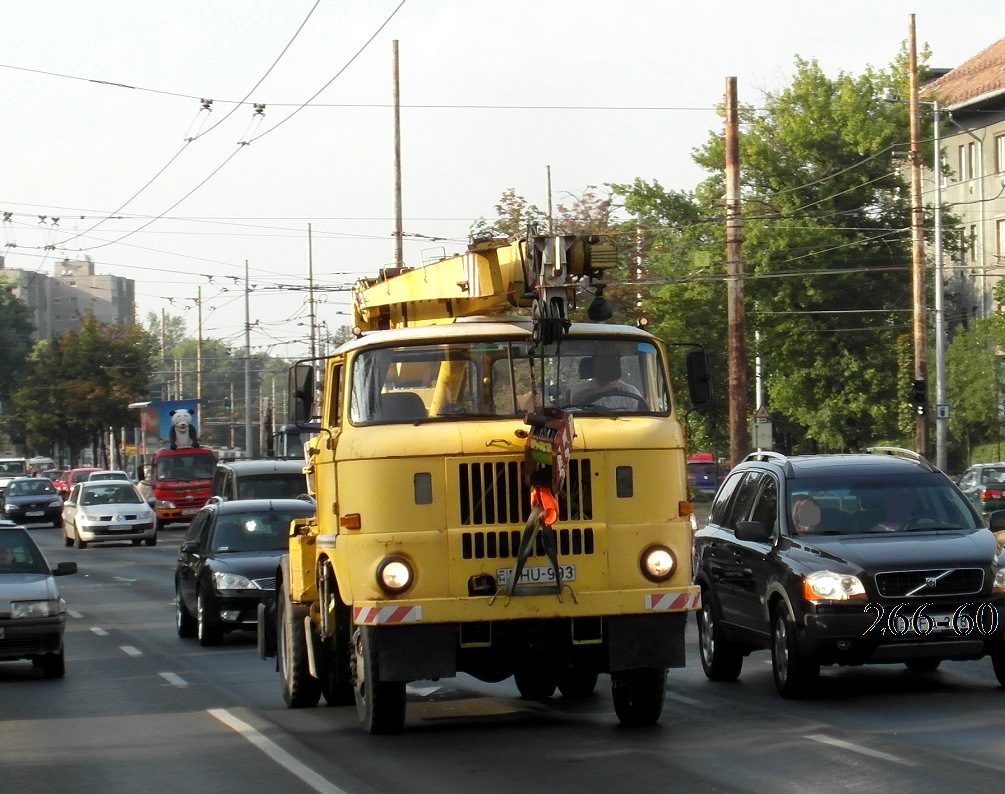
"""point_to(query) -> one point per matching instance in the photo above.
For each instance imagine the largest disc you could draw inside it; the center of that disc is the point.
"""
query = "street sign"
(942, 411)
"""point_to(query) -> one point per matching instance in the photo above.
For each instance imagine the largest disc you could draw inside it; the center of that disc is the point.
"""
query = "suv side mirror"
(754, 531)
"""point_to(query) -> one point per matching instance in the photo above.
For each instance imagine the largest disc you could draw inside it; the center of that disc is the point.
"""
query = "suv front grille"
(506, 544)
(496, 492)
(934, 582)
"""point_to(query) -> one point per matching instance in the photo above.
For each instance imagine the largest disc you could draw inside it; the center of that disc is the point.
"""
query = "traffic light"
(919, 397)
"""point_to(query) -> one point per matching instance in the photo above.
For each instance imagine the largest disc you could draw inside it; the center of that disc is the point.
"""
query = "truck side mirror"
(699, 379)
(302, 392)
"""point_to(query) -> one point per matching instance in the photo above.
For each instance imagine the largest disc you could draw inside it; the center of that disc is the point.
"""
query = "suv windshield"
(494, 379)
(892, 503)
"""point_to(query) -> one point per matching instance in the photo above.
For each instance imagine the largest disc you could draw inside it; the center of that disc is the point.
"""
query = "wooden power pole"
(739, 437)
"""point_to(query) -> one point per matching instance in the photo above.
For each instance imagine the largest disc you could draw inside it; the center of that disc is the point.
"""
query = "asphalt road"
(143, 710)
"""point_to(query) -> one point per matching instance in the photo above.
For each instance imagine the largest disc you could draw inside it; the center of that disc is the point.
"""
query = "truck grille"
(496, 492)
(934, 582)
(505, 544)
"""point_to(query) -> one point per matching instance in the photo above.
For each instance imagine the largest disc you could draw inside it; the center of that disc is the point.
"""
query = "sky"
(286, 177)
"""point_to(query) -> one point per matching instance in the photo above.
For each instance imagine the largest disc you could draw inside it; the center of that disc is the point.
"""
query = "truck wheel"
(380, 704)
(538, 683)
(184, 622)
(576, 682)
(638, 695)
(795, 674)
(720, 659)
(333, 652)
(300, 688)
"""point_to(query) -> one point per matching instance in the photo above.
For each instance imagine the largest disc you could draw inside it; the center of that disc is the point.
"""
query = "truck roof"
(503, 327)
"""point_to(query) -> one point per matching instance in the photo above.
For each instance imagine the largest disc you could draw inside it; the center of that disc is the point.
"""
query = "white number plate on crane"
(537, 574)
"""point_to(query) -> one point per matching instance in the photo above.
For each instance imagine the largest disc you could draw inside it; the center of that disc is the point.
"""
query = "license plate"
(925, 624)
(191, 511)
(34, 513)
(119, 528)
(537, 574)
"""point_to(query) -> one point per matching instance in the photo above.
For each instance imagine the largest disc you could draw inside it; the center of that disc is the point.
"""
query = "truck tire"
(300, 688)
(576, 683)
(536, 683)
(638, 695)
(380, 704)
(333, 651)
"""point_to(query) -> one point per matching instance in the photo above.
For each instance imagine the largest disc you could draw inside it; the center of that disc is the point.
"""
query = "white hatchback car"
(110, 510)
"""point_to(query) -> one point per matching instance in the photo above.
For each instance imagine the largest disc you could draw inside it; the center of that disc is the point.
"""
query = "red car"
(67, 479)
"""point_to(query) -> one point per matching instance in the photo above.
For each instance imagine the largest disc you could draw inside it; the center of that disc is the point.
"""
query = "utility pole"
(399, 233)
(739, 437)
(248, 441)
(310, 287)
(917, 248)
(198, 346)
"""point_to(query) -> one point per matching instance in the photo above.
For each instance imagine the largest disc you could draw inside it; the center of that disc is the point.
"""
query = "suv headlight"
(830, 586)
(231, 581)
(34, 609)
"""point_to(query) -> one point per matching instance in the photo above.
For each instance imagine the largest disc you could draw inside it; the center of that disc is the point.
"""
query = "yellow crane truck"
(500, 494)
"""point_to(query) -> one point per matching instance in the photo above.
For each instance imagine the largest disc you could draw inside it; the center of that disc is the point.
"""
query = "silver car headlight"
(34, 609)
(55, 503)
(231, 581)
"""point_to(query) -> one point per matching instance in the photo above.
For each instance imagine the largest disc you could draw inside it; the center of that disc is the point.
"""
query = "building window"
(1000, 233)
(961, 166)
(57, 300)
(999, 153)
(972, 169)
(971, 243)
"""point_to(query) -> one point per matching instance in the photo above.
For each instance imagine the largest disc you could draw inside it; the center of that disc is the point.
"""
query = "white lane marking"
(682, 699)
(124, 579)
(857, 748)
(276, 753)
(74, 614)
(174, 679)
(100, 632)
(129, 649)
(422, 691)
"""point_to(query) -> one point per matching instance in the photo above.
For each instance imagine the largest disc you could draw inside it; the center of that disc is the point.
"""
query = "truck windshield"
(489, 379)
(186, 467)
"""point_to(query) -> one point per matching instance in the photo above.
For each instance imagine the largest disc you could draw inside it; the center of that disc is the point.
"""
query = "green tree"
(972, 383)
(826, 255)
(15, 344)
(80, 385)
(514, 215)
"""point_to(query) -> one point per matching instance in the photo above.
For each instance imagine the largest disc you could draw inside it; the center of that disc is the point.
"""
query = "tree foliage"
(15, 343)
(80, 385)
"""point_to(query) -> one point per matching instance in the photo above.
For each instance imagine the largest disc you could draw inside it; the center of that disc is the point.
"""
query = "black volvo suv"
(847, 559)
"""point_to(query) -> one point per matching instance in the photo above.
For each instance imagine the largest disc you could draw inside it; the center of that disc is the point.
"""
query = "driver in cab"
(605, 387)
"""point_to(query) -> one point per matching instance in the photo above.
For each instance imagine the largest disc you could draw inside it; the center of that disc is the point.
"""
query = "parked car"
(111, 510)
(984, 485)
(108, 474)
(846, 560)
(67, 479)
(31, 500)
(227, 564)
(704, 476)
(259, 479)
(32, 614)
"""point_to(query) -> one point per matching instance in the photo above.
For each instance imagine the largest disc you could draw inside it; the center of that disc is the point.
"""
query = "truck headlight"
(658, 563)
(830, 586)
(33, 609)
(394, 575)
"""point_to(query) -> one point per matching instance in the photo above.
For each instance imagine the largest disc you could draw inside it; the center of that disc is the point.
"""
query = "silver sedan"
(107, 510)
